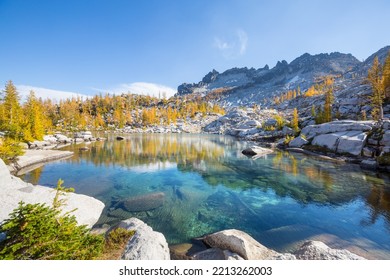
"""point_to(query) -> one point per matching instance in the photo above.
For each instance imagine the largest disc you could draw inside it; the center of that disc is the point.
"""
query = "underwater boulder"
(142, 202)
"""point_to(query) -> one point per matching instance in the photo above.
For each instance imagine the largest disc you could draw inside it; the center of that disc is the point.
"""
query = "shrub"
(115, 243)
(9, 150)
(288, 139)
(280, 122)
(41, 232)
(384, 159)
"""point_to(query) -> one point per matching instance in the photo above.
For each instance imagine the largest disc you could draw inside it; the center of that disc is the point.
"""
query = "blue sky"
(88, 47)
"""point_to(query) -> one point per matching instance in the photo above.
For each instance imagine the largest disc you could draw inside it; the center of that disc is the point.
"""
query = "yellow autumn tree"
(34, 118)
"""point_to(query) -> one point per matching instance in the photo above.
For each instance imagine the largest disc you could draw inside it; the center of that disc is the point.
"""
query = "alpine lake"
(189, 185)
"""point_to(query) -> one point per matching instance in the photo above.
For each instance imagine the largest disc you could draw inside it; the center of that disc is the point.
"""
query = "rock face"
(316, 250)
(145, 244)
(256, 150)
(240, 243)
(13, 190)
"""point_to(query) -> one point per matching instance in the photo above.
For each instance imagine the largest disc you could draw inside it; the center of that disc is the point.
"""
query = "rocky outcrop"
(340, 137)
(58, 140)
(336, 126)
(13, 190)
(317, 250)
(34, 157)
(145, 244)
(343, 142)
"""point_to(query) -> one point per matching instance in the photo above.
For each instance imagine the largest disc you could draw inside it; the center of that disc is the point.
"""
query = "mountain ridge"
(247, 86)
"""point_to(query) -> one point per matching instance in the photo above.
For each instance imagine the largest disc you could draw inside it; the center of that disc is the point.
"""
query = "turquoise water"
(186, 186)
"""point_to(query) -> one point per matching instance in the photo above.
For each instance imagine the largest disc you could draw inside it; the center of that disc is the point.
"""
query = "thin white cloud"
(233, 47)
(221, 45)
(44, 93)
(142, 88)
(243, 39)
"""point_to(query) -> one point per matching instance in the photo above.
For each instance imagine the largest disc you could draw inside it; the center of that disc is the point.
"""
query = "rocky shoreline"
(230, 244)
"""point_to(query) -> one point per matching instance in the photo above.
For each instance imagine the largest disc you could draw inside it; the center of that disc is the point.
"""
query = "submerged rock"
(120, 138)
(142, 202)
(145, 244)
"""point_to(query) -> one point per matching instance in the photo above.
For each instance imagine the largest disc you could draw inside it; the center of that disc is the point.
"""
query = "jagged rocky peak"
(210, 77)
(362, 69)
(333, 63)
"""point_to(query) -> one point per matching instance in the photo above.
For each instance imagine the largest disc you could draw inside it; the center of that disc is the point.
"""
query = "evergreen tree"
(11, 119)
(328, 100)
(294, 122)
(386, 77)
(374, 77)
(34, 118)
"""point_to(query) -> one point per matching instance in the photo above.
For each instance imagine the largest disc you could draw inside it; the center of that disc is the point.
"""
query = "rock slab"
(13, 190)
(145, 244)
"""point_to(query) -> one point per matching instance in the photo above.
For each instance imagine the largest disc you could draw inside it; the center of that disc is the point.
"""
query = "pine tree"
(328, 100)
(374, 77)
(294, 122)
(11, 121)
(386, 77)
(34, 118)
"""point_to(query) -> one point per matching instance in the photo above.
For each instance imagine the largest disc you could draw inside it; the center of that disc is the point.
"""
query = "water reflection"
(189, 185)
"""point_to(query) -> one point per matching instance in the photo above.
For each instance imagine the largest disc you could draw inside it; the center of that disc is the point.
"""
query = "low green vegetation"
(384, 159)
(42, 232)
(115, 243)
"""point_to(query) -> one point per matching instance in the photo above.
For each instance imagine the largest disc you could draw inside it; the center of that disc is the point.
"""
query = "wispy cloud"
(142, 88)
(234, 46)
(56, 95)
(243, 40)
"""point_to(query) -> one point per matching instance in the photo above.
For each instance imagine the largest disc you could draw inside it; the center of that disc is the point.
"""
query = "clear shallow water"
(186, 186)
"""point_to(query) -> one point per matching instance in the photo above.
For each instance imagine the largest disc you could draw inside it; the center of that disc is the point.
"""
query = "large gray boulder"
(344, 142)
(145, 244)
(240, 243)
(351, 142)
(13, 190)
(337, 126)
(317, 250)
(328, 141)
(298, 142)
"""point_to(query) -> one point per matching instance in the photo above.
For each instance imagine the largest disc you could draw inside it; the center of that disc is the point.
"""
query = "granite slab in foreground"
(13, 190)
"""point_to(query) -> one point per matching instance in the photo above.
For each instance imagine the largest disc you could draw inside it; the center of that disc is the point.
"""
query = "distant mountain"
(243, 86)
